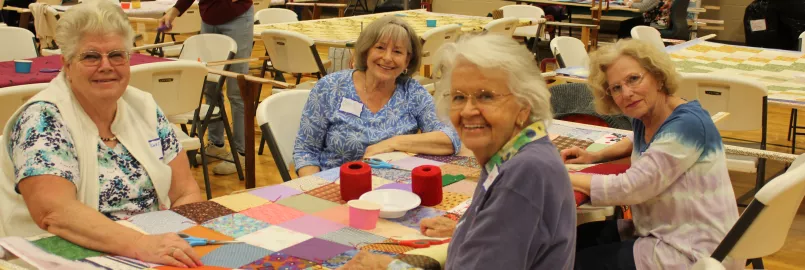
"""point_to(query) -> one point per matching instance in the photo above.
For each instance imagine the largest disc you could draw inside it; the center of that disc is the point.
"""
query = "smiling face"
(636, 101)
(387, 59)
(97, 73)
(490, 115)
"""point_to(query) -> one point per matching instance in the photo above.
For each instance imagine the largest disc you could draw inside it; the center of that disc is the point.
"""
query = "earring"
(405, 71)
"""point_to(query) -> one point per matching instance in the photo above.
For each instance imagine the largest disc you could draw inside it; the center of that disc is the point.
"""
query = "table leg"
(24, 18)
(247, 91)
(585, 38)
(316, 12)
(405, 4)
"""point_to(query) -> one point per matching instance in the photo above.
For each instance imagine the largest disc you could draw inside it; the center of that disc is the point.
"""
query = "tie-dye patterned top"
(679, 189)
(41, 144)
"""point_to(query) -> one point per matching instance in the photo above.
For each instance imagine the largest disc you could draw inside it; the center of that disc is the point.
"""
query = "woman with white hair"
(522, 215)
(374, 109)
(90, 150)
(678, 186)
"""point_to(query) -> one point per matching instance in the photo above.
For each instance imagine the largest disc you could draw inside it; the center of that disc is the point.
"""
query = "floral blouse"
(40, 144)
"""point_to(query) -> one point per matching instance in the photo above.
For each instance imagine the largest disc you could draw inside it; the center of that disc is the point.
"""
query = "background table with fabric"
(304, 222)
(339, 32)
(8, 77)
(148, 9)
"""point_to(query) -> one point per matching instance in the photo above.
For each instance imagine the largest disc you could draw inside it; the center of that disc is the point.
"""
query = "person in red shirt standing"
(233, 18)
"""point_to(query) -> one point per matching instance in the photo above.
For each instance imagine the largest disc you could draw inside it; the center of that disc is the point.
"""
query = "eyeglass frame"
(608, 90)
(104, 55)
(473, 96)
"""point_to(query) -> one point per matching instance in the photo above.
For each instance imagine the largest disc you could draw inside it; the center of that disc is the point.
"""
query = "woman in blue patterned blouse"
(89, 150)
(374, 109)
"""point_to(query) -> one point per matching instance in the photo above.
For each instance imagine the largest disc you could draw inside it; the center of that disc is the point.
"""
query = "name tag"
(351, 107)
(490, 178)
(156, 147)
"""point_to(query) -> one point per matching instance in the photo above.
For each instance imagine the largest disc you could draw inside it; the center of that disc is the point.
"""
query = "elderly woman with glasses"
(90, 150)
(522, 215)
(678, 187)
(374, 109)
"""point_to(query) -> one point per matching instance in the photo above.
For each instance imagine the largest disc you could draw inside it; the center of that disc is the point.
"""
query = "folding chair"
(279, 117)
(19, 43)
(569, 52)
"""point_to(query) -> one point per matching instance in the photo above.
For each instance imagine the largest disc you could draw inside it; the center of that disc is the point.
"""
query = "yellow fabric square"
(390, 229)
(758, 59)
(450, 200)
(240, 202)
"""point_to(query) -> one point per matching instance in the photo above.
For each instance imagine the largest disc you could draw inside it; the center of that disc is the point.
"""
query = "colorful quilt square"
(201, 212)
(563, 143)
(306, 183)
(466, 162)
(464, 187)
(206, 233)
(330, 192)
(392, 156)
(274, 238)
(235, 225)
(393, 175)
(279, 260)
(316, 250)
(273, 213)
(390, 229)
(352, 237)
(329, 175)
(234, 255)
(312, 225)
(400, 186)
(469, 172)
(412, 162)
(338, 214)
(414, 216)
(450, 200)
(240, 202)
(443, 159)
(387, 247)
(161, 222)
(307, 203)
(65, 249)
(275, 193)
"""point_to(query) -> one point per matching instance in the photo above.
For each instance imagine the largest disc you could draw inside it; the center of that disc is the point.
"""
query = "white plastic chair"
(746, 101)
(648, 34)
(260, 5)
(524, 12)
(764, 225)
(801, 43)
(504, 26)
(571, 52)
(433, 39)
(188, 23)
(274, 15)
(171, 83)
(279, 117)
(18, 43)
(50, 18)
(11, 98)
(295, 53)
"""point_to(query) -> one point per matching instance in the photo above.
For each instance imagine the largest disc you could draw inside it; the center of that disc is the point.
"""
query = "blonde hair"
(389, 27)
(655, 61)
(496, 52)
(92, 18)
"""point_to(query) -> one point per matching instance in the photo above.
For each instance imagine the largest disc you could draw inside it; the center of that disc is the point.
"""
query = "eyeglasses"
(633, 80)
(93, 58)
(483, 99)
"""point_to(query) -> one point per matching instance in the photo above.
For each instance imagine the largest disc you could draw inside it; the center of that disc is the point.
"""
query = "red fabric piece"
(585, 119)
(581, 198)
(216, 12)
(8, 77)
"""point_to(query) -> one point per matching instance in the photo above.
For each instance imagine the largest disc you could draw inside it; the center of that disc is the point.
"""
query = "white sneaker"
(225, 168)
(214, 152)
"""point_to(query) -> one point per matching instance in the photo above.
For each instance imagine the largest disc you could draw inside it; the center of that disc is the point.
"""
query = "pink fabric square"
(273, 213)
(462, 187)
(412, 162)
(338, 214)
(312, 225)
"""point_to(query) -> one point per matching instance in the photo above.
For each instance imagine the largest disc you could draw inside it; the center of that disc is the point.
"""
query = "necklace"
(114, 138)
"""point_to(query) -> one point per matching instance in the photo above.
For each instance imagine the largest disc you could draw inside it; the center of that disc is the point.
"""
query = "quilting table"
(782, 72)
(341, 32)
(304, 223)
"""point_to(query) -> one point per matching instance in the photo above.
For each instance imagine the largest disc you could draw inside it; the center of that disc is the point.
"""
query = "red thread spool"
(356, 179)
(427, 183)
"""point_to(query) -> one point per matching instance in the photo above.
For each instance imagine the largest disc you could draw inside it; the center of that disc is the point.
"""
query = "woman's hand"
(576, 155)
(437, 227)
(166, 22)
(385, 146)
(167, 249)
(366, 260)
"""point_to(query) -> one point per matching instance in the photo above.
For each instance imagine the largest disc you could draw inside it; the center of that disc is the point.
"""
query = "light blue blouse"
(330, 136)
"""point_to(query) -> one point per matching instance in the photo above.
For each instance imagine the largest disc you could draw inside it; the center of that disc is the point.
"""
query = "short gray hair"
(497, 52)
(92, 18)
(385, 27)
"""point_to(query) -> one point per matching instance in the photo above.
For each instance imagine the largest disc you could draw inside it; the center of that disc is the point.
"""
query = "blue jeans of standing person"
(240, 29)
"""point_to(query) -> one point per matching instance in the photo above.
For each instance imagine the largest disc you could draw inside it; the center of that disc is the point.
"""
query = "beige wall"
(732, 12)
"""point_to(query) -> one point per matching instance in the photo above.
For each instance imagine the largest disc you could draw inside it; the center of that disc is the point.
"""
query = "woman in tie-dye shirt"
(678, 185)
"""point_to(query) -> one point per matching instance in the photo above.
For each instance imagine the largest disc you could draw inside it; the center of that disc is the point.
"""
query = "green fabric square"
(449, 179)
(58, 246)
(307, 203)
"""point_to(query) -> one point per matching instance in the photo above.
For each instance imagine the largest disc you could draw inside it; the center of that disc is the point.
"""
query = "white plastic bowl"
(394, 202)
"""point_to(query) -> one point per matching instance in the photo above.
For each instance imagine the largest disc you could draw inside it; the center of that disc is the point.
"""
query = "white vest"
(134, 126)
